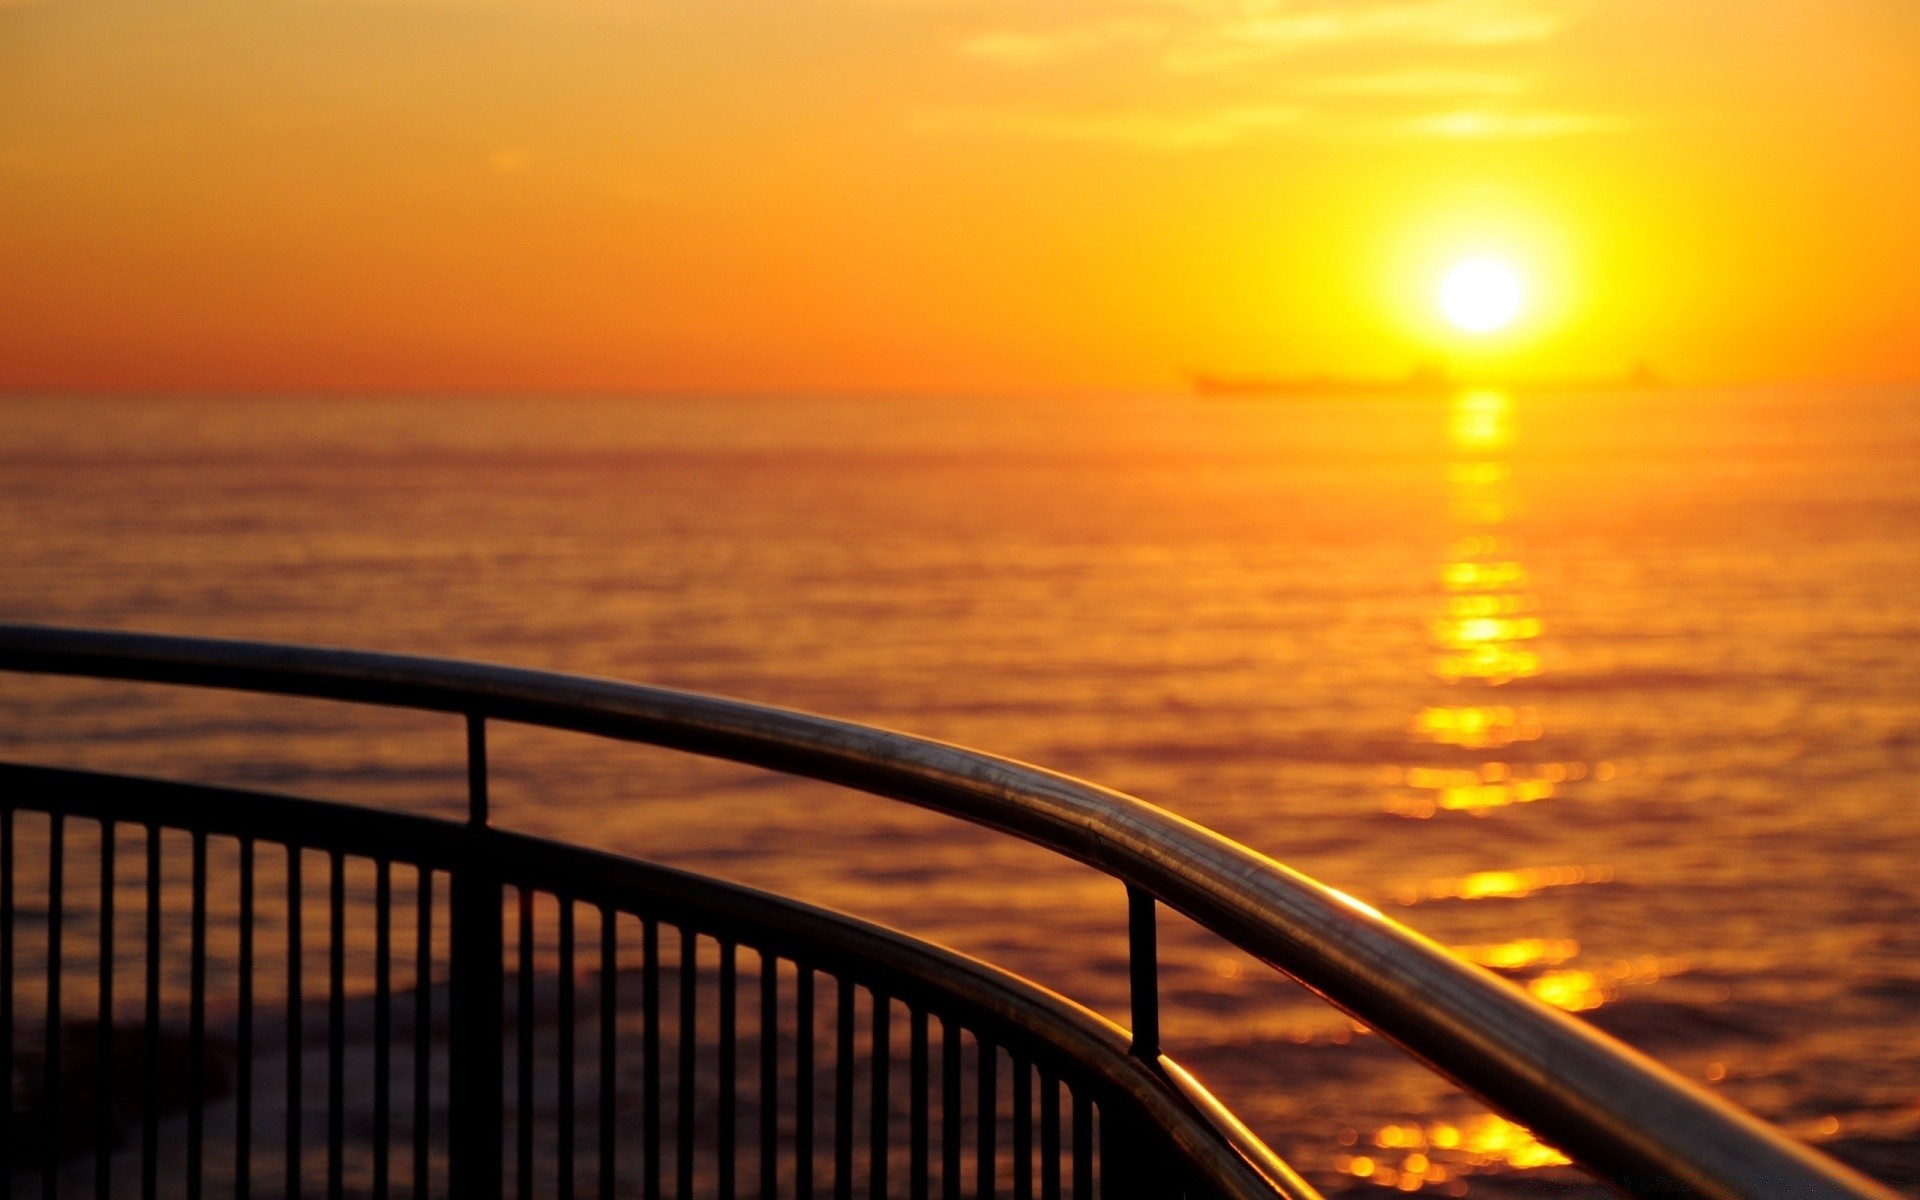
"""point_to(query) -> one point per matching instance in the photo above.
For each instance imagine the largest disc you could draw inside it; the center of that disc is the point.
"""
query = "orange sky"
(945, 194)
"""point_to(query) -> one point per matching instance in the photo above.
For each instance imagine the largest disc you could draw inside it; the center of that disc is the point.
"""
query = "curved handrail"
(1617, 1112)
(1222, 1150)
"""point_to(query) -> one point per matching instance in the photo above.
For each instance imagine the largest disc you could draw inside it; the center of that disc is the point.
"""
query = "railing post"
(477, 814)
(474, 983)
(1143, 967)
(1133, 1158)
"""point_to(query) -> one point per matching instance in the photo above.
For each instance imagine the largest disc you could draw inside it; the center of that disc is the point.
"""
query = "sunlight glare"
(1480, 295)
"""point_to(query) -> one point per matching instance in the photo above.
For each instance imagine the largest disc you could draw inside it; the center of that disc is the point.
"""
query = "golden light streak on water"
(1484, 632)
(1483, 635)
(1493, 785)
(1521, 953)
(1417, 1156)
(1581, 990)
(1481, 420)
(1504, 885)
(1477, 726)
(1465, 576)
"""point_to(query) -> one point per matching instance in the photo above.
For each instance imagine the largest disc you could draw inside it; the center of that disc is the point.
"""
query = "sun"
(1480, 295)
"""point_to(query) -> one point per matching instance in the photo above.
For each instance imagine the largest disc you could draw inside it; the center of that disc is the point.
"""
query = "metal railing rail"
(1619, 1114)
(730, 1087)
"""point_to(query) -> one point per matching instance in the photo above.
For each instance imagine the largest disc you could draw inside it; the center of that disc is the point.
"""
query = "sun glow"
(1481, 295)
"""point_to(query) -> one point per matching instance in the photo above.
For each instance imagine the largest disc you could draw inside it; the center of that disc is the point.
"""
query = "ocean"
(1615, 692)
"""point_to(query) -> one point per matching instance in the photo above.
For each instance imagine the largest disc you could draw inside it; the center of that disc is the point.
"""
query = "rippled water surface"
(1616, 693)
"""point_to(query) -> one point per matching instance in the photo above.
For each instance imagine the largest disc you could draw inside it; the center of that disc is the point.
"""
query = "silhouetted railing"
(707, 1069)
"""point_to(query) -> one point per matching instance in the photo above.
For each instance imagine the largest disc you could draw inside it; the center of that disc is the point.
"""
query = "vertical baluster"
(478, 800)
(803, 1082)
(988, 1116)
(1134, 1161)
(1082, 1147)
(422, 1031)
(729, 1001)
(565, 1115)
(843, 1090)
(243, 1036)
(150, 1049)
(769, 1076)
(919, 1171)
(1049, 1135)
(523, 1042)
(50, 1096)
(881, 1101)
(1022, 1129)
(683, 1121)
(103, 1032)
(336, 1026)
(650, 1055)
(296, 1031)
(1143, 973)
(949, 1109)
(609, 1000)
(382, 1022)
(1119, 1163)
(197, 1020)
(476, 976)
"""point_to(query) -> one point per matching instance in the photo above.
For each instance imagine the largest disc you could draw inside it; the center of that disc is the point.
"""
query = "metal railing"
(1133, 1123)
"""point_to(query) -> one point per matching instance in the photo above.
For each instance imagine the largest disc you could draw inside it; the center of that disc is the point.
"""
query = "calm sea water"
(1618, 693)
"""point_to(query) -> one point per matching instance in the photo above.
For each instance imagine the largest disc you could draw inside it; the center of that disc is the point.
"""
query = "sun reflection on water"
(1482, 789)
(1478, 726)
(1483, 636)
(1521, 953)
(1413, 1156)
(1578, 990)
(1503, 885)
(1481, 420)
(1482, 631)
(1479, 749)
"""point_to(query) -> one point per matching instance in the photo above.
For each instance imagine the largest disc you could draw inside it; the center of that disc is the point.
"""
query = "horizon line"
(1195, 385)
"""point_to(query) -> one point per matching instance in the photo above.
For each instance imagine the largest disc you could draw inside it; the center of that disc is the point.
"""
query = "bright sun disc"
(1480, 295)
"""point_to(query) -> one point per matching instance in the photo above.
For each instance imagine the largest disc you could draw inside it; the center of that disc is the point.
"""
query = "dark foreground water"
(1618, 694)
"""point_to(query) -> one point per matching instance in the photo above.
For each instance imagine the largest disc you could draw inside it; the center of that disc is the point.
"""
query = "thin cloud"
(1477, 124)
(1418, 83)
(1206, 35)
(1160, 133)
(1260, 37)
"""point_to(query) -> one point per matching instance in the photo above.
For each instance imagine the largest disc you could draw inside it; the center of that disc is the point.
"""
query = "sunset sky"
(1007, 195)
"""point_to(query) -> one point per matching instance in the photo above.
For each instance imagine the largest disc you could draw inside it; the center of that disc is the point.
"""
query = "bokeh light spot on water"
(1503, 885)
(1438, 1154)
(1462, 576)
(1480, 420)
(1491, 785)
(1521, 953)
(1582, 990)
(1478, 726)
